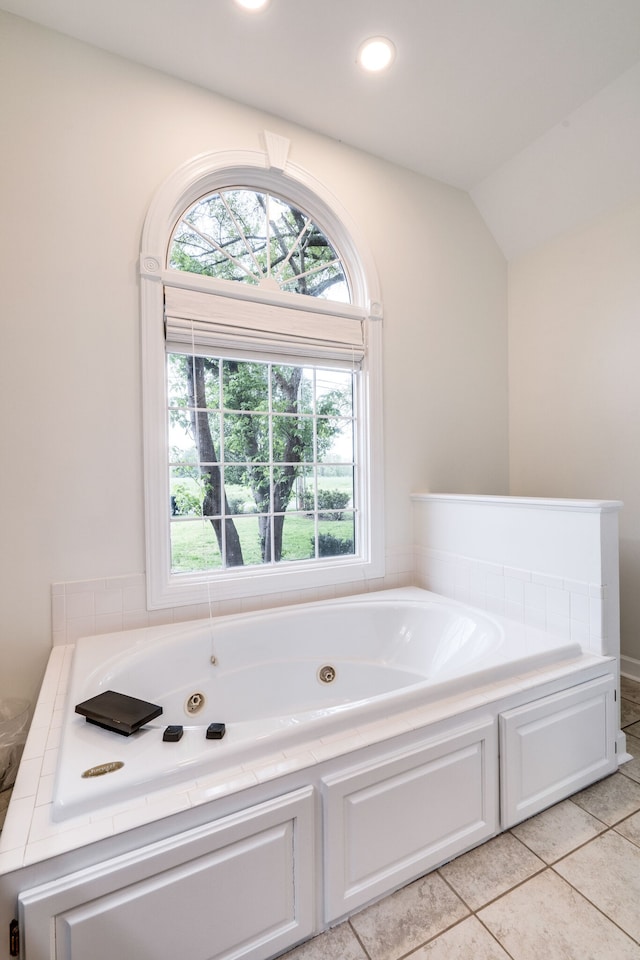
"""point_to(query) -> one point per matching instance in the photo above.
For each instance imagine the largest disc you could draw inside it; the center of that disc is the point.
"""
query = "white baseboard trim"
(630, 668)
(621, 748)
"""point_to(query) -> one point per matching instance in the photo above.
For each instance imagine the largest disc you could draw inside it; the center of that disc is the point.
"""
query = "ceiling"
(533, 106)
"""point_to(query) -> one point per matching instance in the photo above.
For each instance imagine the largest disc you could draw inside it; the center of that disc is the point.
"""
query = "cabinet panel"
(242, 887)
(210, 907)
(555, 746)
(391, 821)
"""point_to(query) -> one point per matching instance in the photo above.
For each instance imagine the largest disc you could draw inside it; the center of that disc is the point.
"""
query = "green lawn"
(194, 546)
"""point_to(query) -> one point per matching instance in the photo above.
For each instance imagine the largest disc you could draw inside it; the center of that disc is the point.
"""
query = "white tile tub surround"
(571, 609)
(549, 563)
(81, 608)
(552, 564)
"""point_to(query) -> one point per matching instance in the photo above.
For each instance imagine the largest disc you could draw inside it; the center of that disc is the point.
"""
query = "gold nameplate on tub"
(103, 768)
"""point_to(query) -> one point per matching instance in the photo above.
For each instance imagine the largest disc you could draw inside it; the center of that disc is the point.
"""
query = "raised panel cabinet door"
(242, 887)
(554, 746)
(393, 820)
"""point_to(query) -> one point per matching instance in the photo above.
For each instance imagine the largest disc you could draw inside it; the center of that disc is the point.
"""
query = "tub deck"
(32, 833)
(391, 652)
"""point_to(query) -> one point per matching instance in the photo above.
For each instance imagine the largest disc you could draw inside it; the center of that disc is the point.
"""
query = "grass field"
(194, 545)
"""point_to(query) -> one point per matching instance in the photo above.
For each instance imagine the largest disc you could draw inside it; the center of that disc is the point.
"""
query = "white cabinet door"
(240, 887)
(555, 746)
(393, 820)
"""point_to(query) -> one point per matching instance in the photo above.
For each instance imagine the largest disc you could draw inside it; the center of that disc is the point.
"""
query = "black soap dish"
(118, 712)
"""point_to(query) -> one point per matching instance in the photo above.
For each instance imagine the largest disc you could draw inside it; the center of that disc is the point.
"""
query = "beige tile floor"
(564, 885)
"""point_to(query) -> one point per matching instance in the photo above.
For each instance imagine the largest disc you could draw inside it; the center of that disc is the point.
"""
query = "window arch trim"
(211, 172)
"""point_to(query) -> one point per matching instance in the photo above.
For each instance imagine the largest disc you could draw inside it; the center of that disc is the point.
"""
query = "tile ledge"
(535, 503)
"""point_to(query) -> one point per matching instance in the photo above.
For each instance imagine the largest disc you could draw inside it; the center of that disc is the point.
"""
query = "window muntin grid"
(262, 464)
(255, 237)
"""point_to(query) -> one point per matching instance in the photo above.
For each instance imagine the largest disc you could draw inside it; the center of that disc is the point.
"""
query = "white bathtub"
(259, 674)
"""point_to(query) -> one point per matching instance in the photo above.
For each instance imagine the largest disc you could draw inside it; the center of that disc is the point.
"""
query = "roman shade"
(197, 318)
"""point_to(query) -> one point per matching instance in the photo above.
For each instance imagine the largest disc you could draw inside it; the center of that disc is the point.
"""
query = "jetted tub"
(276, 678)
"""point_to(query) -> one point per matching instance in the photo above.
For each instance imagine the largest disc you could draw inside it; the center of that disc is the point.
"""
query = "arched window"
(255, 237)
(261, 464)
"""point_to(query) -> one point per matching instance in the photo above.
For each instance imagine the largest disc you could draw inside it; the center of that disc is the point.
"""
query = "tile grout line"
(551, 863)
(584, 897)
(608, 828)
(471, 914)
(444, 930)
(474, 913)
(356, 935)
(493, 936)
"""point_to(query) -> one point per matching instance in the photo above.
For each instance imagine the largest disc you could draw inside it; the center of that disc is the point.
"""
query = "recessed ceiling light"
(375, 54)
(252, 4)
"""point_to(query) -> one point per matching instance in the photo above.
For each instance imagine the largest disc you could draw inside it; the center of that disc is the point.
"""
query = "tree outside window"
(263, 452)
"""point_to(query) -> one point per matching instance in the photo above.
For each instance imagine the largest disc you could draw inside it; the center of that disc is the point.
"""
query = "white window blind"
(205, 319)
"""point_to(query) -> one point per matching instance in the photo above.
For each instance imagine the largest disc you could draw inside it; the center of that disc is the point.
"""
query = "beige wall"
(88, 138)
(574, 380)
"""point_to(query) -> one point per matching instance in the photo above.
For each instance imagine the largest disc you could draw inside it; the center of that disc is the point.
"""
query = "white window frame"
(270, 171)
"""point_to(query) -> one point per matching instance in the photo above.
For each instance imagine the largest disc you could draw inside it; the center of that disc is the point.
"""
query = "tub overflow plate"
(327, 673)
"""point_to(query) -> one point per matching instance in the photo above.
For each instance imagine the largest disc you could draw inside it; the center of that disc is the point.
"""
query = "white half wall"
(552, 564)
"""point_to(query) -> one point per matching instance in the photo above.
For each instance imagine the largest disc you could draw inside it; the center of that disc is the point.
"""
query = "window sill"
(182, 590)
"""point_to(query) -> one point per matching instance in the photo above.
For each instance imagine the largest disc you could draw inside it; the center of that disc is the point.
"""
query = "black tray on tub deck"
(118, 712)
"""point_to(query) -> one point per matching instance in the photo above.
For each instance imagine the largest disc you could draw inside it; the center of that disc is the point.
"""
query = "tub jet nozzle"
(194, 703)
(327, 674)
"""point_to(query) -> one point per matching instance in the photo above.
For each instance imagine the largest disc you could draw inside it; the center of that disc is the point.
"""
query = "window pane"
(298, 537)
(337, 537)
(207, 372)
(334, 391)
(287, 385)
(211, 486)
(182, 448)
(240, 499)
(252, 532)
(252, 237)
(254, 480)
(208, 426)
(189, 377)
(335, 491)
(284, 482)
(194, 547)
(335, 441)
(306, 393)
(192, 494)
(246, 385)
(246, 437)
(293, 439)
(303, 494)
(193, 436)
(210, 238)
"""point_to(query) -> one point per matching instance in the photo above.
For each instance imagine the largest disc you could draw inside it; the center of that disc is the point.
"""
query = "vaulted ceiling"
(533, 106)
